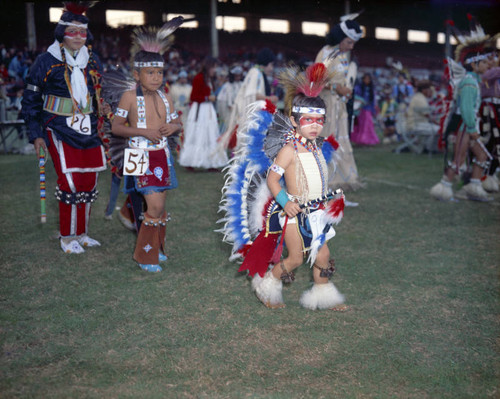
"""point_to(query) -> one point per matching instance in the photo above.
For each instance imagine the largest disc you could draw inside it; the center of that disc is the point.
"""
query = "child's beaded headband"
(73, 24)
(309, 110)
(155, 64)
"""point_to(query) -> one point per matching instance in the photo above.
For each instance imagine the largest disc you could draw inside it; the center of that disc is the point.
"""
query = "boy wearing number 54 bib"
(145, 115)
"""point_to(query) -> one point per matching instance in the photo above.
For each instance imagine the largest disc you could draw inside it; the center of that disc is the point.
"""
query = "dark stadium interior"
(426, 15)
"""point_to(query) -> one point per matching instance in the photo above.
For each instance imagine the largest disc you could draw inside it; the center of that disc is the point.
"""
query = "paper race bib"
(79, 123)
(135, 162)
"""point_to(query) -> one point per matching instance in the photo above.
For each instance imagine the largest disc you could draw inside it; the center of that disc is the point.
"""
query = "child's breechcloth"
(309, 224)
(159, 177)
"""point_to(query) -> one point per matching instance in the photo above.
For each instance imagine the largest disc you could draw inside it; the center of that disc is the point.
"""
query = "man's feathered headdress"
(471, 43)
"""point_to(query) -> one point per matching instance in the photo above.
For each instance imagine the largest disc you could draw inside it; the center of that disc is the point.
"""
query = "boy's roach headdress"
(470, 46)
(309, 82)
(154, 40)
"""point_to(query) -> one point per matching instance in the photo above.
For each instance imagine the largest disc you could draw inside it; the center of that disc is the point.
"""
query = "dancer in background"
(471, 61)
(227, 95)
(490, 114)
(201, 130)
(387, 115)
(180, 91)
(364, 129)
(256, 86)
(341, 40)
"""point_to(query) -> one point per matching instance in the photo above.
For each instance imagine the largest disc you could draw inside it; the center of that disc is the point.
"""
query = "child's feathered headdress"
(471, 43)
(309, 82)
(154, 40)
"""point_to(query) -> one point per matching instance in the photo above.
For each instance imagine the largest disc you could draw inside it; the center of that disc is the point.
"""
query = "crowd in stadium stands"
(390, 85)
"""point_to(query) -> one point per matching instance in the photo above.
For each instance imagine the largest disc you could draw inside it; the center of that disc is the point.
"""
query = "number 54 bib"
(135, 162)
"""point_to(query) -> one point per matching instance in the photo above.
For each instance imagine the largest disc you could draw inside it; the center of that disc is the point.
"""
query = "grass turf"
(420, 276)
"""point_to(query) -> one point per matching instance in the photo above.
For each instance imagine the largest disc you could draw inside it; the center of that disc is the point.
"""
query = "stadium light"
(315, 28)
(55, 14)
(420, 36)
(386, 33)
(230, 24)
(274, 25)
(117, 18)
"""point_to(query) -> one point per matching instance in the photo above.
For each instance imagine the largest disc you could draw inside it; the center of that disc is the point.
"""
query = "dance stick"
(327, 197)
(41, 163)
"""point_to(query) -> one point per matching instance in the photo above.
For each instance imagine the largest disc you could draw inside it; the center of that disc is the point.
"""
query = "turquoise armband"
(282, 198)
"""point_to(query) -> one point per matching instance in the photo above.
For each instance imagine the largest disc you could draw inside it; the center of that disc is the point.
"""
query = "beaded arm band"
(121, 112)
(277, 169)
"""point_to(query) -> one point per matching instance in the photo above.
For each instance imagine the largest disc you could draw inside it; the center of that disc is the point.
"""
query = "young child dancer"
(277, 190)
(146, 116)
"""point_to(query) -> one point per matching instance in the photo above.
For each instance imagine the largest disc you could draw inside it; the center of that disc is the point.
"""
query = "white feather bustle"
(442, 191)
(251, 122)
(252, 222)
(256, 218)
(268, 289)
(321, 296)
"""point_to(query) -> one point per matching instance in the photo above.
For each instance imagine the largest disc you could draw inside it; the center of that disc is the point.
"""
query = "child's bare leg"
(322, 262)
(268, 289)
(156, 204)
(295, 255)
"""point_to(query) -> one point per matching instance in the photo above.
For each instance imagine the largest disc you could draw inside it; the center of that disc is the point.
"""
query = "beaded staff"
(41, 164)
(327, 197)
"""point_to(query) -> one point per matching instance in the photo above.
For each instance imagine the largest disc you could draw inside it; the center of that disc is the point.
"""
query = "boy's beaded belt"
(62, 106)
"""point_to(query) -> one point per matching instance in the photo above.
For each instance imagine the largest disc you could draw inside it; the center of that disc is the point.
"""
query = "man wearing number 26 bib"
(146, 116)
(60, 107)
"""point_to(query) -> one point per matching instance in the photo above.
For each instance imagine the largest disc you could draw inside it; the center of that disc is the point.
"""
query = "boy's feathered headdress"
(309, 82)
(471, 43)
(154, 40)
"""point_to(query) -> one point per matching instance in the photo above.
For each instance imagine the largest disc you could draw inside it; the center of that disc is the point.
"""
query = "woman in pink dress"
(364, 130)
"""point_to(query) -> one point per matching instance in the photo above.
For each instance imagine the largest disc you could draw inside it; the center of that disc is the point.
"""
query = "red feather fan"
(331, 140)
(270, 107)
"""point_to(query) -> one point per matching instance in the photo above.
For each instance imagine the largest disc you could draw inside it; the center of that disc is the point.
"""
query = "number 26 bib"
(79, 123)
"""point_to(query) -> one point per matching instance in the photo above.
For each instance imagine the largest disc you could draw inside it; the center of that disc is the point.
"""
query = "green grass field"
(420, 276)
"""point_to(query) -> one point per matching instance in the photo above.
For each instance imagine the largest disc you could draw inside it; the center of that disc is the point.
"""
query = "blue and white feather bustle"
(245, 191)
